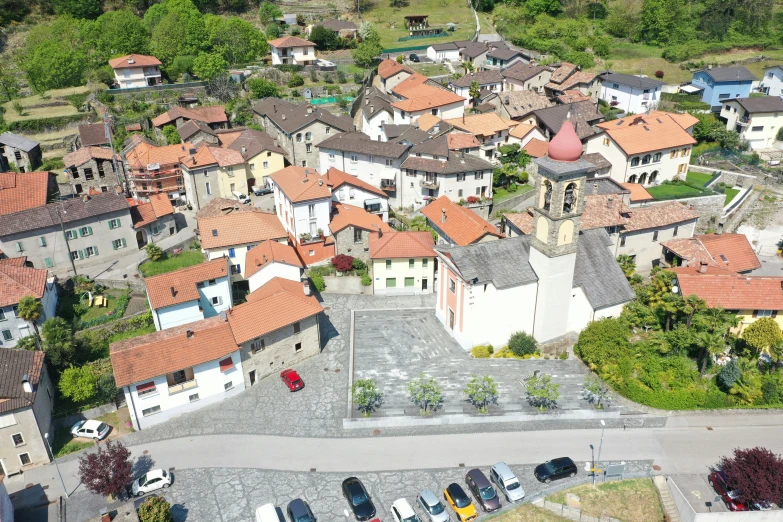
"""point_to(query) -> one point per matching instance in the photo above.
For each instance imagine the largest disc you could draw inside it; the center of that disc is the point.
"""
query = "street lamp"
(592, 459)
(601, 445)
(46, 436)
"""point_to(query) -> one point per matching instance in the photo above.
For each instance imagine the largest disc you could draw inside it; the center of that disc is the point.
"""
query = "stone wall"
(481, 210)
(710, 209)
(344, 244)
(101, 172)
(735, 179)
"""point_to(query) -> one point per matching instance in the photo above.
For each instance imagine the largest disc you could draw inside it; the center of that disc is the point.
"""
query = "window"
(146, 389)
(425, 263)
(42, 241)
(388, 264)
(48, 262)
(85, 231)
(389, 162)
(763, 313)
(7, 420)
(606, 142)
(150, 411)
(655, 236)
(228, 386)
(757, 128)
(308, 136)
(459, 193)
(24, 458)
(635, 161)
(193, 398)
(646, 159)
(114, 223)
(674, 232)
(357, 235)
(297, 347)
(297, 327)
(71, 234)
(257, 346)
(88, 174)
(265, 164)
(299, 138)
(231, 253)
(17, 439)
(673, 154)
(74, 255)
(460, 176)
(159, 185)
(452, 286)
(118, 243)
(327, 130)
(308, 147)
(217, 300)
(391, 282)
(723, 96)
(91, 251)
(209, 188)
(212, 282)
(19, 246)
(200, 284)
(2, 315)
(409, 282)
(226, 364)
(478, 191)
(354, 158)
(232, 187)
(236, 269)
(311, 211)
(411, 263)
(331, 156)
(622, 241)
(657, 156)
(252, 167)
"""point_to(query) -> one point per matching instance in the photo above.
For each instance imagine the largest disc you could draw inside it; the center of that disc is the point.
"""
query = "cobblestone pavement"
(232, 495)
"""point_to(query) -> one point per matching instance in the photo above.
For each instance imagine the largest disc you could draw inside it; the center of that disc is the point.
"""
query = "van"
(241, 197)
(506, 482)
(269, 513)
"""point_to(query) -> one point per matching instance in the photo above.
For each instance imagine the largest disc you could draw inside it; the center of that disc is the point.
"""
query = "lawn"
(67, 300)
(499, 194)
(430, 69)
(131, 333)
(674, 191)
(730, 194)
(631, 58)
(698, 178)
(627, 500)
(527, 513)
(64, 444)
(174, 262)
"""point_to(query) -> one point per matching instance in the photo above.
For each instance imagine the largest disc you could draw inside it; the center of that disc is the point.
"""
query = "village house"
(458, 225)
(403, 263)
(568, 76)
(518, 105)
(24, 191)
(351, 190)
(757, 120)
(25, 411)
(189, 294)
(448, 51)
(729, 252)
(153, 219)
(18, 281)
(19, 153)
(489, 81)
(352, 227)
(503, 57)
(391, 74)
(583, 115)
(772, 82)
(646, 149)
(343, 28)
(224, 171)
(91, 170)
(292, 50)
(210, 117)
(631, 94)
(526, 77)
(722, 83)
(303, 201)
(195, 132)
(299, 129)
(475, 53)
(417, 97)
(151, 169)
(92, 135)
(376, 112)
(136, 70)
(492, 131)
(269, 260)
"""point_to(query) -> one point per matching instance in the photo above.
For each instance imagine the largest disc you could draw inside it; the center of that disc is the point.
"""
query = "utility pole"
(67, 244)
(110, 136)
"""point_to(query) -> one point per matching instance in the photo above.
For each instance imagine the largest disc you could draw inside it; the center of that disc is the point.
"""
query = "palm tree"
(468, 66)
(670, 304)
(30, 309)
(627, 265)
(692, 305)
(711, 343)
(475, 92)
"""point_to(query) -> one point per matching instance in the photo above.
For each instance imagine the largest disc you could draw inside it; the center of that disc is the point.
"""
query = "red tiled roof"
(278, 303)
(270, 252)
(638, 192)
(336, 178)
(388, 68)
(732, 291)
(239, 228)
(658, 216)
(17, 281)
(426, 97)
(487, 124)
(161, 204)
(413, 81)
(731, 252)
(462, 225)
(142, 358)
(22, 191)
(521, 220)
(139, 60)
(459, 141)
(603, 210)
(401, 245)
(290, 41)
(85, 154)
(144, 154)
(301, 183)
(537, 148)
(215, 114)
(647, 133)
(142, 215)
(180, 286)
(350, 216)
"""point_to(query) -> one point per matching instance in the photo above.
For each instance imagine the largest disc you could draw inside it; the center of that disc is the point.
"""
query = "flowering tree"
(107, 472)
(756, 473)
(342, 263)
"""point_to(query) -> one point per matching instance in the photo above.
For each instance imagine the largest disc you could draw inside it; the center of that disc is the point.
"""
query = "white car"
(151, 481)
(430, 504)
(507, 482)
(403, 512)
(91, 429)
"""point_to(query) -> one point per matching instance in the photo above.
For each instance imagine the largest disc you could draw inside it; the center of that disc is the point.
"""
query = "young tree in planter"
(30, 309)
(426, 393)
(756, 472)
(482, 391)
(107, 472)
(596, 392)
(366, 396)
(542, 392)
(155, 509)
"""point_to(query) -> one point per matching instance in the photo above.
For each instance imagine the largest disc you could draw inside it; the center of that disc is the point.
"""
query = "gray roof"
(18, 142)
(436, 146)
(518, 104)
(255, 142)
(760, 104)
(290, 118)
(455, 163)
(448, 46)
(503, 53)
(360, 142)
(630, 80)
(376, 101)
(474, 50)
(14, 365)
(483, 77)
(583, 115)
(522, 71)
(71, 210)
(504, 262)
(598, 160)
(598, 273)
(729, 74)
(603, 186)
(338, 25)
(411, 134)
(191, 127)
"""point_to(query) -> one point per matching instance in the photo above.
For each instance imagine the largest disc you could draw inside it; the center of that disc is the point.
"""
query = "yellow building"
(259, 150)
(403, 263)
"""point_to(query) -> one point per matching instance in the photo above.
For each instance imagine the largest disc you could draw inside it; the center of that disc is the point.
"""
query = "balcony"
(743, 121)
(373, 206)
(429, 183)
(389, 185)
(183, 386)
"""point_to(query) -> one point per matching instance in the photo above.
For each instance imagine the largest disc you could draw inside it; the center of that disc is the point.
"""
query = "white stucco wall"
(465, 91)
(272, 270)
(437, 56)
(628, 98)
(555, 276)
(772, 82)
(492, 315)
(400, 270)
(622, 170)
(188, 312)
(760, 129)
(648, 250)
(444, 112)
(374, 126)
(370, 169)
(296, 55)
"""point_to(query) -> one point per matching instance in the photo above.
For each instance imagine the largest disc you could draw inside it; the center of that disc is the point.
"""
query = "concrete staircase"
(669, 506)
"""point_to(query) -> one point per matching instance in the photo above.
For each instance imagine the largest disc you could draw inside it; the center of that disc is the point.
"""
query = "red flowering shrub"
(659, 74)
(342, 263)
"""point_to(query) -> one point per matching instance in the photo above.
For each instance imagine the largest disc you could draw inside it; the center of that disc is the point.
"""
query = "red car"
(292, 380)
(734, 502)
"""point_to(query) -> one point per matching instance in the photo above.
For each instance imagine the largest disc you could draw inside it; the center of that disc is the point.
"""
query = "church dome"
(565, 146)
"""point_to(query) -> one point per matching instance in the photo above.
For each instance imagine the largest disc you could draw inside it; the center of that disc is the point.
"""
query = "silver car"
(507, 482)
(433, 507)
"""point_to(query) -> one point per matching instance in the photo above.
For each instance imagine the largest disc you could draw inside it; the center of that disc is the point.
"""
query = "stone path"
(137, 304)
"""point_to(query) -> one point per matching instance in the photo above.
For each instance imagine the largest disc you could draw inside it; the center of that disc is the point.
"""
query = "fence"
(678, 97)
(162, 87)
(397, 50)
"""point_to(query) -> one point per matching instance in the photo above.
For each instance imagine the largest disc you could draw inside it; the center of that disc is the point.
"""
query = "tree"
(108, 471)
(324, 39)
(9, 83)
(521, 344)
(179, 66)
(775, 351)
(542, 393)
(365, 29)
(467, 65)
(366, 397)
(208, 66)
(692, 306)
(763, 334)
(482, 391)
(171, 134)
(180, 32)
(756, 472)
(268, 12)
(272, 31)
(155, 509)
(596, 392)
(28, 342)
(53, 57)
(475, 92)
(89, 9)
(78, 383)
(30, 309)
(399, 3)
(728, 375)
(366, 52)
(154, 252)
(235, 39)
(295, 81)
(262, 88)
(58, 343)
(223, 88)
(670, 304)
(426, 393)
(711, 343)
(342, 263)
(118, 33)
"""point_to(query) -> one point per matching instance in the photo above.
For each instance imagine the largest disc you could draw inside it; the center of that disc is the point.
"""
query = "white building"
(632, 94)
(772, 82)
(489, 81)
(136, 70)
(18, 281)
(757, 120)
(292, 50)
(376, 112)
(303, 201)
(448, 51)
(417, 100)
(351, 190)
(190, 294)
(391, 74)
(271, 259)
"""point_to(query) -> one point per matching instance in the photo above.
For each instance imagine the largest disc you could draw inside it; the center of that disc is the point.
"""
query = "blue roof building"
(723, 83)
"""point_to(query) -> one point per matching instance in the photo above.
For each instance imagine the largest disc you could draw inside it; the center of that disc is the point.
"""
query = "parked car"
(91, 429)
(292, 380)
(241, 197)
(403, 512)
(506, 482)
(555, 469)
(482, 490)
(269, 513)
(299, 511)
(358, 499)
(152, 480)
(434, 508)
(261, 190)
(414, 58)
(730, 497)
(460, 502)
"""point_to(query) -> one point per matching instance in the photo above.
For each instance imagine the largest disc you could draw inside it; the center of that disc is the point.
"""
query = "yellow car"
(460, 502)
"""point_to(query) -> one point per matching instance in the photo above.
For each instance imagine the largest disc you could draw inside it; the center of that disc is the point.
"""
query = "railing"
(744, 121)
(429, 184)
(183, 386)
(389, 185)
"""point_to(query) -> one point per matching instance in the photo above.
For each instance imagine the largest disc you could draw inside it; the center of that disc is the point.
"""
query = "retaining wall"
(735, 179)
(688, 514)
(93, 413)
(710, 209)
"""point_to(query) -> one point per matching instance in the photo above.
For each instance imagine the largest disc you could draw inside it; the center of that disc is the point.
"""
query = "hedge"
(45, 124)
(122, 305)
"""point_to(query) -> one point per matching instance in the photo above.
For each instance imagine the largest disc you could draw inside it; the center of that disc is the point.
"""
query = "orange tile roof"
(336, 178)
(301, 183)
(603, 210)
(350, 216)
(161, 204)
(572, 96)
(239, 228)
(732, 291)
(139, 60)
(521, 220)
(388, 68)
(462, 225)
(660, 215)
(22, 191)
(278, 303)
(575, 79)
(85, 154)
(144, 154)
(643, 133)
(413, 81)
(638, 192)
(180, 286)
(691, 251)
(213, 114)
(427, 121)
(270, 252)
(684, 120)
(201, 158)
(487, 124)
(459, 141)
(142, 358)
(537, 148)
(290, 41)
(226, 157)
(142, 214)
(17, 281)
(401, 245)
(522, 130)
(731, 252)
(426, 97)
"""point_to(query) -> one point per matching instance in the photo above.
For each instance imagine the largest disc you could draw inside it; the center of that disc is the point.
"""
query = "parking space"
(265, 202)
(698, 493)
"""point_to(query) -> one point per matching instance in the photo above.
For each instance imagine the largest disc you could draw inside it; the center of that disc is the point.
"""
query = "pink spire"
(565, 146)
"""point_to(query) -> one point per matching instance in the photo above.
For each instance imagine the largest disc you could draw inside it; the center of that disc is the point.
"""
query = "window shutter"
(81, 232)
(42, 241)
(755, 313)
(114, 245)
(774, 313)
(19, 246)
(111, 224)
(81, 254)
(95, 249)
(48, 262)
(117, 223)
(124, 244)
(89, 230)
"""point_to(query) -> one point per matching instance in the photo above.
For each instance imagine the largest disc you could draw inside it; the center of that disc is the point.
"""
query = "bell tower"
(556, 220)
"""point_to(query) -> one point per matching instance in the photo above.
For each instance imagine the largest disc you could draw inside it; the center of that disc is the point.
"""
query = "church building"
(551, 282)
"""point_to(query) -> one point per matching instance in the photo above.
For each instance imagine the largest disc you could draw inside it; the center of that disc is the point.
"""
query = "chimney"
(320, 183)
(720, 228)
(703, 267)
(189, 333)
(507, 100)
(86, 197)
(276, 144)
(26, 386)
(367, 101)
(306, 285)
(244, 150)
(610, 202)
(367, 91)
(264, 260)
(173, 292)
(283, 116)
(274, 107)
(372, 108)
(380, 232)
(436, 129)
(309, 109)
(306, 172)
(595, 188)
(443, 215)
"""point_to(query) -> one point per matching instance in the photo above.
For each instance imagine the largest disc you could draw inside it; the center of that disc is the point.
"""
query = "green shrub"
(770, 390)
(728, 375)
(602, 342)
(366, 280)
(564, 355)
(358, 264)
(318, 282)
(521, 344)
(482, 351)
(44, 124)
(295, 81)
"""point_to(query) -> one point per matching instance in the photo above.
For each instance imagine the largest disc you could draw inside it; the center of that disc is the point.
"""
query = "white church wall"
(555, 276)
(492, 315)
(579, 311)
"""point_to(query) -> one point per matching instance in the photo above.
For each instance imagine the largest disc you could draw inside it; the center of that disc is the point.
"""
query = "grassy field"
(697, 178)
(64, 444)
(430, 69)
(631, 58)
(391, 24)
(528, 513)
(500, 194)
(68, 300)
(627, 500)
(730, 194)
(674, 191)
(131, 333)
(55, 95)
(171, 263)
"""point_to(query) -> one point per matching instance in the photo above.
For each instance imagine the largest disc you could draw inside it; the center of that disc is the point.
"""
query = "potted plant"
(321, 233)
